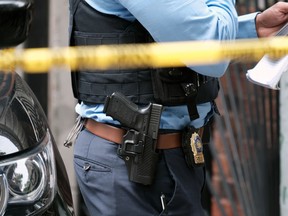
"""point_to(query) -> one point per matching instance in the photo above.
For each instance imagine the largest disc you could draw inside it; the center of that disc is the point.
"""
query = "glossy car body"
(33, 178)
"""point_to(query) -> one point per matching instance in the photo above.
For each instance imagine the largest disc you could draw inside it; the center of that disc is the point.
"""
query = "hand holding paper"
(268, 71)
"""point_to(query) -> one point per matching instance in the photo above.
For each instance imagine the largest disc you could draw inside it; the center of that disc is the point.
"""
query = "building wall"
(61, 114)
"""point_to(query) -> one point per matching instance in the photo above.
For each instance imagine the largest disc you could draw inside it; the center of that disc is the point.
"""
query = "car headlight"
(28, 181)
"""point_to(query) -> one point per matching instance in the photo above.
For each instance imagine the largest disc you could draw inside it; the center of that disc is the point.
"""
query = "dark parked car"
(33, 179)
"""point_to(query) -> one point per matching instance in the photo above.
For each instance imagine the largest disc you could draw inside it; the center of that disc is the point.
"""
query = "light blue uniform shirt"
(179, 20)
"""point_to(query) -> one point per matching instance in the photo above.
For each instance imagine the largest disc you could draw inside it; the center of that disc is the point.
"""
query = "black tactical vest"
(167, 86)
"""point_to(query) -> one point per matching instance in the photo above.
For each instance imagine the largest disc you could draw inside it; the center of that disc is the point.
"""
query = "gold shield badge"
(197, 148)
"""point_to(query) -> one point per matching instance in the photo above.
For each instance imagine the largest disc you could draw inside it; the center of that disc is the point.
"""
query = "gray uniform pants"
(103, 181)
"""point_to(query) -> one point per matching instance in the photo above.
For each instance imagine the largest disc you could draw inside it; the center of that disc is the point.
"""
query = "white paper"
(268, 71)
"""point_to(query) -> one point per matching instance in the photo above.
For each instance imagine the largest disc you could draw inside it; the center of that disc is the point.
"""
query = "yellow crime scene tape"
(35, 60)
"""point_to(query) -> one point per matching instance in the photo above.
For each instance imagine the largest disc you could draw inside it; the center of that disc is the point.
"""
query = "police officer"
(187, 96)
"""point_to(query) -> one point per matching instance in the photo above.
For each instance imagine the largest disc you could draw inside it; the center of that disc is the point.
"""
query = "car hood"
(23, 122)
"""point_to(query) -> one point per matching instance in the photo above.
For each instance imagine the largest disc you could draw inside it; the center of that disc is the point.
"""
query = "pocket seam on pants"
(102, 167)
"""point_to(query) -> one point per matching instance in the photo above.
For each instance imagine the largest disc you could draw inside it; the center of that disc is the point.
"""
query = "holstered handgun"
(139, 143)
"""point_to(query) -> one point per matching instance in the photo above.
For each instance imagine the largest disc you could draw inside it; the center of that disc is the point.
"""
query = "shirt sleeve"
(188, 20)
(181, 20)
(247, 26)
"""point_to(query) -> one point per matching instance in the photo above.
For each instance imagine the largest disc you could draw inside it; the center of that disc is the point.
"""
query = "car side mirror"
(15, 19)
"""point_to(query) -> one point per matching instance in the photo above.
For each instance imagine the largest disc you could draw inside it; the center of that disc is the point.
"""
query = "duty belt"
(115, 134)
